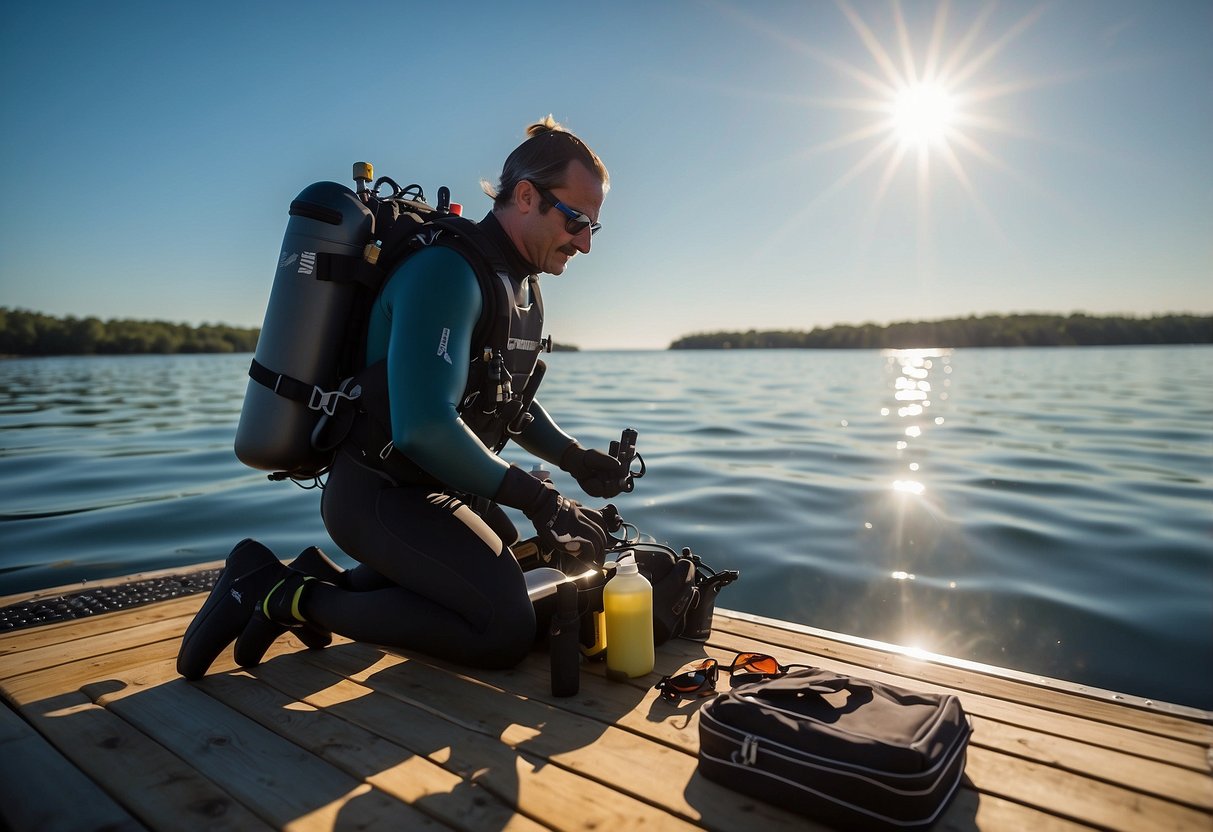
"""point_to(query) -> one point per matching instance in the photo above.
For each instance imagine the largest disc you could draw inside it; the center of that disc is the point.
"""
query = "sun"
(923, 115)
(920, 107)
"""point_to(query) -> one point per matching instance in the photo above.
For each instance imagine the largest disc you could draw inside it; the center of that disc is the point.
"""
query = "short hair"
(543, 160)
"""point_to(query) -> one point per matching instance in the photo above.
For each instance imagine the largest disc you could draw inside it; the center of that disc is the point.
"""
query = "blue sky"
(149, 156)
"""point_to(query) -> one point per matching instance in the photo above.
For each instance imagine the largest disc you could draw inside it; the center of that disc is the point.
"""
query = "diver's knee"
(508, 641)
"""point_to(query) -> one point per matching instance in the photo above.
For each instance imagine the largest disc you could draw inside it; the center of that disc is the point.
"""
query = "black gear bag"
(852, 753)
(684, 591)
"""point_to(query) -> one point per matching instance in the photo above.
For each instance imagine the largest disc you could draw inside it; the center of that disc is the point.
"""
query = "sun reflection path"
(914, 390)
(921, 378)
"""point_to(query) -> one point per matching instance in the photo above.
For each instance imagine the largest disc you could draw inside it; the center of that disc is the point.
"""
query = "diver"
(422, 515)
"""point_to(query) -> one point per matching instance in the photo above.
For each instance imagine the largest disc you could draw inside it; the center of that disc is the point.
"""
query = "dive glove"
(561, 525)
(598, 474)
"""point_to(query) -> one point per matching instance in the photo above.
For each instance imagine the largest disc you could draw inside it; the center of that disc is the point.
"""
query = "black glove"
(598, 474)
(559, 521)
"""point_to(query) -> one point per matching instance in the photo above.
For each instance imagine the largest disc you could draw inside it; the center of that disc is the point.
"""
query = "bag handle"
(793, 685)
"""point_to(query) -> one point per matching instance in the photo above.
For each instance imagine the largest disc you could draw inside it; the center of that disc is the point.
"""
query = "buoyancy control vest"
(500, 387)
(339, 248)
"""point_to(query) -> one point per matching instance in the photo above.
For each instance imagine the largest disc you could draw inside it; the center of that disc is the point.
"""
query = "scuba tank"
(297, 365)
(339, 248)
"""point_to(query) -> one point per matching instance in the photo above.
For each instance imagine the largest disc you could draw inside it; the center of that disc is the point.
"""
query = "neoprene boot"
(260, 632)
(249, 573)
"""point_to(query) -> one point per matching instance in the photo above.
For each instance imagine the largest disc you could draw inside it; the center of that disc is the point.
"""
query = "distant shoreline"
(29, 334)
(25, 334)
(1026, 330)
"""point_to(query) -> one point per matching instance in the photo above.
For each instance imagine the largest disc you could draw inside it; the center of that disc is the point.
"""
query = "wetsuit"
(437, 576)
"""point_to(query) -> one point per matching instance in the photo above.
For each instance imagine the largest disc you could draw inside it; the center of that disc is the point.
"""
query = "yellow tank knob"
(363, 172)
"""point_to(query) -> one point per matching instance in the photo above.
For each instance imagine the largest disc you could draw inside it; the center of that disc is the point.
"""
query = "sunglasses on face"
(699, 678)
(574, 221)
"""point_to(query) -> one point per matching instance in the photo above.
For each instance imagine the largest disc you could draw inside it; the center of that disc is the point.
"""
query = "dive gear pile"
(684, 591)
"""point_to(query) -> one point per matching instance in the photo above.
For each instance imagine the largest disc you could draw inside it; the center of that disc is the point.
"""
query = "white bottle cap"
(627, 563)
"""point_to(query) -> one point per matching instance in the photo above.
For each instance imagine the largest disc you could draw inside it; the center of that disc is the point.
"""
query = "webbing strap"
(347, 268)
(280, 383)
(300, 391)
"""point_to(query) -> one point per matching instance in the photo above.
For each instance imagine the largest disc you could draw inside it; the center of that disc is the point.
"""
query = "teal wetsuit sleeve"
(543, 437)
(427, 311)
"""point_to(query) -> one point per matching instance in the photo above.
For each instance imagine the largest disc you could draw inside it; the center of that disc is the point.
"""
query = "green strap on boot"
(282, 603)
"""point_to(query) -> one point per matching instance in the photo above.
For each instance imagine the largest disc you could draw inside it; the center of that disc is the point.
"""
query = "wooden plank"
(416, 780)
(1191, 788)
(283, 784)
(36, 779)
(1080, 798)
(548, 794)
(71, 676)
(971, 811)
(15, 641)
(159, 655)
(1046, 698)
(101, 644)
(159, 788)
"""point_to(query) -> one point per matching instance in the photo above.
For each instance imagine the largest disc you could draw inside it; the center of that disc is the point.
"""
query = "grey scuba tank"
(296, 368)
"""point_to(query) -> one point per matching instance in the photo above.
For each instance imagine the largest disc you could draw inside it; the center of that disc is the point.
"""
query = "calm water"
(1046, 510)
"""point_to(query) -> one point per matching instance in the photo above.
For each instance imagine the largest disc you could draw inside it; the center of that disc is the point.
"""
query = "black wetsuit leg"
(457, 592)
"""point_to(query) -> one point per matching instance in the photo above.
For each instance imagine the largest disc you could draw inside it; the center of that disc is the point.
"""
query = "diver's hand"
(598, 474)
(559, 522)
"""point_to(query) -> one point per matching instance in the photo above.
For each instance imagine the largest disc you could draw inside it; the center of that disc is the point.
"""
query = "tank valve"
(364, 174)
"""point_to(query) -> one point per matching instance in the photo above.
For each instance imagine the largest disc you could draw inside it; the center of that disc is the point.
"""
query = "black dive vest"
(481, 407)
(503, 375)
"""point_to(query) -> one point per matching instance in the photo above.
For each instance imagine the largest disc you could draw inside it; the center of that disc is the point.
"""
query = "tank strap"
(300, 391)
(346, 268)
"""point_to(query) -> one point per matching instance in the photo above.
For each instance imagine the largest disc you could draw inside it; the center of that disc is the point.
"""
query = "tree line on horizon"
(1028, 330)
(32, 333)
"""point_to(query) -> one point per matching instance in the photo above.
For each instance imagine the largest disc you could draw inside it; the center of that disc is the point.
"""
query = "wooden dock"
(99, 732)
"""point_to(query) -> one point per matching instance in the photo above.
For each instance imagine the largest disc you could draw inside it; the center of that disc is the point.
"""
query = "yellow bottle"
(628, 603)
